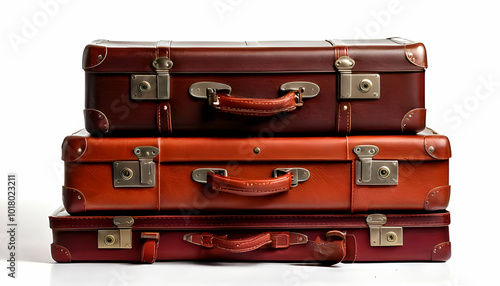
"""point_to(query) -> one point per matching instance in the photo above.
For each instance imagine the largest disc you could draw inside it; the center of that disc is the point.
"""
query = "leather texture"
(330, 161)
(255, 74)
(256, 106)
(331, 238)
(250, 188)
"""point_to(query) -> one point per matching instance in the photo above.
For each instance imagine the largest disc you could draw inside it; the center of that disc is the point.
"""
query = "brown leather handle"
(251, 188)
(281, 239)
(254, 106)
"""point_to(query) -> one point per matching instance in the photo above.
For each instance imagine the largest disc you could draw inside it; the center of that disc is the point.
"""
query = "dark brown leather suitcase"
(263, 88)
(323, 238)
(291, 174)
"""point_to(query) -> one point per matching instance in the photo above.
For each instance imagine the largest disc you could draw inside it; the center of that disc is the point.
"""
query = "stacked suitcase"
(254, 151)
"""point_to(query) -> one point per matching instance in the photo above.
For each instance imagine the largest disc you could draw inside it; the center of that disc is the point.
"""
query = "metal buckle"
(136, 174)
(374, 172)
(152, 87)
(120, 238)
(356, 86)
(383, 235)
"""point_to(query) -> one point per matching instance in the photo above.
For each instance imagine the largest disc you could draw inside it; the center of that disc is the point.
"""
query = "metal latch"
(120, 238)
(137, 174)
(381, 235)
(152, 87)
(356, 86)
(374, 172)
(298, 174)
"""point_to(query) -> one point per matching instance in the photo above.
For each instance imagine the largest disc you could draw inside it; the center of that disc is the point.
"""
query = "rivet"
(431, 149)
(100, 116)
(409, 116)
(410, 55)
(99, 57)
(79, 197)
(79, 150)
(435, 251)
(256, 150)
(165, 107)
(426, 203)
(345, 107)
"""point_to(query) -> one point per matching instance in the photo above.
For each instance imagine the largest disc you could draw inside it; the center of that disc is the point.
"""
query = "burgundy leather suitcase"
(291, 174)
(323, 238)
(234, 88)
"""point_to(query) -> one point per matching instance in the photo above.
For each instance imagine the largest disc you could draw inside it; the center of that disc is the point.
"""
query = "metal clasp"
(381, 235)
(137, 174)
(374, 172)
(152, 87)
(120, 238)
(356, 86)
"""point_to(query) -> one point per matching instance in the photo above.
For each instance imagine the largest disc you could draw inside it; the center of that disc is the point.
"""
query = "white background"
(42, 100)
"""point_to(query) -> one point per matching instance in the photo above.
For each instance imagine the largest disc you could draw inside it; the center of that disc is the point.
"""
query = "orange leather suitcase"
(321, 238)
(207, 175)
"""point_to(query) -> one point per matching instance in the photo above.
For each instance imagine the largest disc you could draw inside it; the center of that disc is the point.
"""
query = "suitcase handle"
(222, 101)
(251, 188)
(327, 249)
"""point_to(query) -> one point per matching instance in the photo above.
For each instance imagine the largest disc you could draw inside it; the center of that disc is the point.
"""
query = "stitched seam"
(250, 190)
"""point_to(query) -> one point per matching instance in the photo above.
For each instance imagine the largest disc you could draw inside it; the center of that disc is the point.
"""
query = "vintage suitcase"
(229, 88)
(323, 238)
(201, 175)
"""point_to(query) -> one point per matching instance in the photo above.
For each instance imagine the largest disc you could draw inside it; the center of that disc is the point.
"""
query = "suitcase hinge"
(356, 86)
(136, 174)
(374, 172)
(152, 87)
(119, 238)
(381, 235)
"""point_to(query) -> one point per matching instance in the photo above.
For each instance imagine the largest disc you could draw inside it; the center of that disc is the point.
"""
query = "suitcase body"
(325, 239)
(203, 175)
(229, 88)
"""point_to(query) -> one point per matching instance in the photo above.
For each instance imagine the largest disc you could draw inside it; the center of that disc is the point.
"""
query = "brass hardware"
(381, 235)
(256, 150)
(365, 85)
(152, 87)
(431, 149)
(199, 89)
(387, 170)
(124, 171)
(309, 89)
(118, 238)
(200, 175)
(356, 86)
(144, 87)
(299, 175)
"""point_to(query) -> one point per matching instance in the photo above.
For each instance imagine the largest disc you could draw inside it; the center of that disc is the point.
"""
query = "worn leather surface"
(330, 161)
(255, 72)
(424, 234)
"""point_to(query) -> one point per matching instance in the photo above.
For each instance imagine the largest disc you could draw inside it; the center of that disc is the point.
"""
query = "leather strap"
(250, 188)
(281, 239)
(149, 249)
(256, 106)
